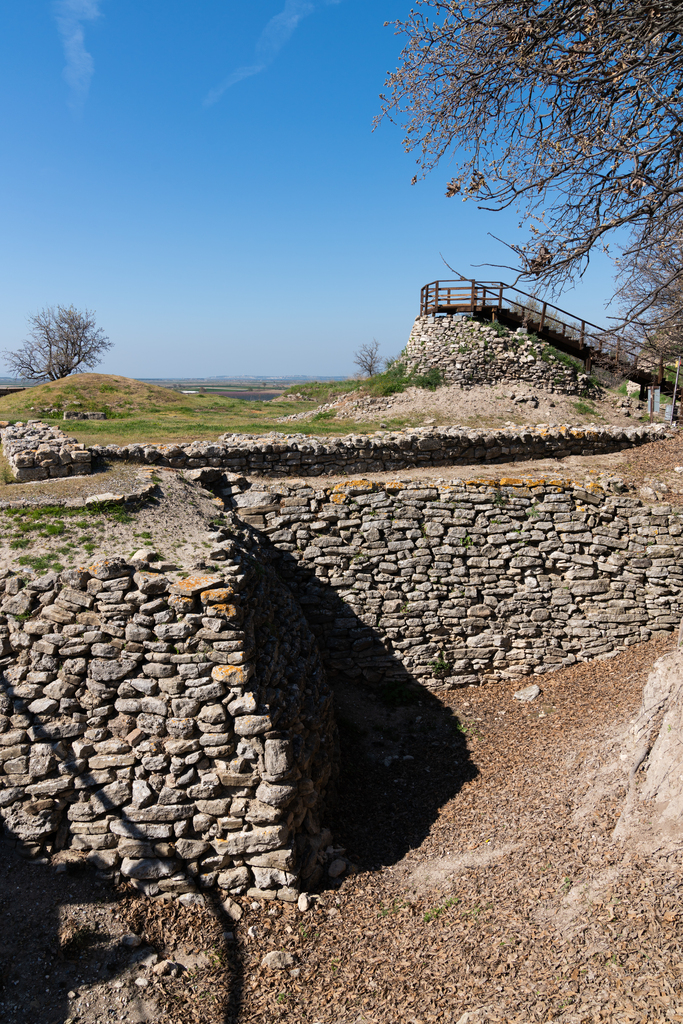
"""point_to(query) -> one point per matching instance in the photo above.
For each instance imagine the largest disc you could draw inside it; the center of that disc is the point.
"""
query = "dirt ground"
(484, 405)
(488, 884)
(172, 526)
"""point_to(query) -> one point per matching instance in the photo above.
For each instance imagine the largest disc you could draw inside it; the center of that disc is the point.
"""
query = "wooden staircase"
(495, 300)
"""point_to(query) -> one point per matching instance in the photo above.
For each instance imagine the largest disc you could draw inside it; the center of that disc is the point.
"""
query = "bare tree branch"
(651, 298)
(570, 111)
(62, 340)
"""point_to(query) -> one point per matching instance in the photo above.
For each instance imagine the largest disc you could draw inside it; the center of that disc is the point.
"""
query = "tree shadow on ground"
(62, 958)
(52, 940)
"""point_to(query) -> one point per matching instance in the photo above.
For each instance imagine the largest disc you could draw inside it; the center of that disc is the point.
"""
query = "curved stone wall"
(454, 583)
(301, 455)
(176, 730)
(468, 352)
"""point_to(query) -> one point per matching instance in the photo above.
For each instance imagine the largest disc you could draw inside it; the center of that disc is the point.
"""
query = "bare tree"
(650, 283)
(367, 358)
(570, 112)
(62, 340)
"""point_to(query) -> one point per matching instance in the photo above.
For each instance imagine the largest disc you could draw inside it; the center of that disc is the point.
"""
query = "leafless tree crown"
(62, 340)
(652, 283)
(570, 111)
(367, 358)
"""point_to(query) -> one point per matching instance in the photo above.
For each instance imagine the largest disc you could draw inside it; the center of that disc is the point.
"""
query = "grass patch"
(41, 563)
(391, 381)
(42, 520)
(436, 912)
(395, 379)
(551, 354)
(54, 530)
(585, 408)
(138, 412)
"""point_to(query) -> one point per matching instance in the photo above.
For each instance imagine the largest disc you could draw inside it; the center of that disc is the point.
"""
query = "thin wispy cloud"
(277, 32)
(70, 16)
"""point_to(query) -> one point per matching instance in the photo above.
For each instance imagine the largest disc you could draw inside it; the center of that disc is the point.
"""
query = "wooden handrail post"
(473, 296)
(543, 311)
(673, 400)
(582, 340)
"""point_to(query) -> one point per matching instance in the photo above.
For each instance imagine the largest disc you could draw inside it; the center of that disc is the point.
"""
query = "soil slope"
(90, 392)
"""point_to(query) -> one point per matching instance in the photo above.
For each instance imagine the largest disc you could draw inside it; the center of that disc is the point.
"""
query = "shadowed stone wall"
(470, 580)
(176, 730)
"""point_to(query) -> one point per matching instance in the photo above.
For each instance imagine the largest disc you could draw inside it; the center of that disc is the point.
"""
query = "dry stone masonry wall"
(468, 353)
(176, 730)
(36, 452)
(302, 455)
(451, 584)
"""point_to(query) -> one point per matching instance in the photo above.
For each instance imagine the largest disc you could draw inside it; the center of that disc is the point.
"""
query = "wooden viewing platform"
(495, 300)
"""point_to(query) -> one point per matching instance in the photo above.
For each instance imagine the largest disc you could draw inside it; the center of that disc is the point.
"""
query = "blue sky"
(205, 176)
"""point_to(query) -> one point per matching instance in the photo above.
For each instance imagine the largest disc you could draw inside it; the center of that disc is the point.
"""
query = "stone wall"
(452, 584)
(468, 352)
(36, 452)
(302, 455)
(176, 730)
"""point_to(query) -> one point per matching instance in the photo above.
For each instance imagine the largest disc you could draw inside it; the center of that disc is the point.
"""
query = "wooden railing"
(497, 300)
